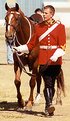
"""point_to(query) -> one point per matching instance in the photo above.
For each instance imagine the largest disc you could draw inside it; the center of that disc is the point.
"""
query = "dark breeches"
(49, 76)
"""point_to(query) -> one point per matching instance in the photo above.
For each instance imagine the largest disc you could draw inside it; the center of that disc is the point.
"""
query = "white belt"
(48, 47)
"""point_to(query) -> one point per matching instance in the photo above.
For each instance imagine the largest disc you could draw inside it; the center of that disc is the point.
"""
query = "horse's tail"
(60, 82)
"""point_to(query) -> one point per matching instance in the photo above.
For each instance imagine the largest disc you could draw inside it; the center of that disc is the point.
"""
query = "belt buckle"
(49, 47)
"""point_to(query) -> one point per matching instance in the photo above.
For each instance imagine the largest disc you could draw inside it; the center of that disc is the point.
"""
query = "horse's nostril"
(9, 36)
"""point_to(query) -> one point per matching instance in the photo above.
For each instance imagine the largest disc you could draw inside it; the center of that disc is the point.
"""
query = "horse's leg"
(17, 82)
(58, 98)
(38, 96)
(60, 87)
(32, 84)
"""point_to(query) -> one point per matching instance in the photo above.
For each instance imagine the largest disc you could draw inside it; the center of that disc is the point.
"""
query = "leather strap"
(49, 30)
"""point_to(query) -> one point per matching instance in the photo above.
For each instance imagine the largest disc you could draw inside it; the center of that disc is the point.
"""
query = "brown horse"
(19, 30)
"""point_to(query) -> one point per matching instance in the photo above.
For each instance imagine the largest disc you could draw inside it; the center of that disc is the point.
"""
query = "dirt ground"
(8, 100)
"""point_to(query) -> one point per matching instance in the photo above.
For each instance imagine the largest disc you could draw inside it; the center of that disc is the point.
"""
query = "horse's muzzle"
(9, 36)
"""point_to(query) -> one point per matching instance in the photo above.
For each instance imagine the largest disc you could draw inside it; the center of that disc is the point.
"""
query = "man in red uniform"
(51, 37)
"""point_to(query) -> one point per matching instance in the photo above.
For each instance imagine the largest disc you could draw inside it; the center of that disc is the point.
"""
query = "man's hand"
(58, 53)
(53, 58)
(17, 49)
(21, 48)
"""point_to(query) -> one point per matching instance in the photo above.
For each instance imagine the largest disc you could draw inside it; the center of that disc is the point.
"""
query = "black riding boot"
(49, 108)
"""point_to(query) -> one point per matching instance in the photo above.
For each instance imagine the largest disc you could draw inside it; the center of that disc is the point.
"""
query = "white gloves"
(22, 48)
(58, 53)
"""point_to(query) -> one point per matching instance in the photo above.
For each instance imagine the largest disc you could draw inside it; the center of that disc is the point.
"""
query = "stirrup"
(37, 98)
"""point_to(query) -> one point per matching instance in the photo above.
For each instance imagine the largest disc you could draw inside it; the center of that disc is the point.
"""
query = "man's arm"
(22, 48)
(58, 53)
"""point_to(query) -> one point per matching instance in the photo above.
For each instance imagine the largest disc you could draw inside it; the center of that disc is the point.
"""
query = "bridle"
(15, 39)
(12, 41)
(16, 27)
(18, 20)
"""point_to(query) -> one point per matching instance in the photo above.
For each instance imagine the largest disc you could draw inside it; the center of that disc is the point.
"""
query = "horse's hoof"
(37, 99)
(29, 106)
(58, 102)
(26, 102)
(21, 103)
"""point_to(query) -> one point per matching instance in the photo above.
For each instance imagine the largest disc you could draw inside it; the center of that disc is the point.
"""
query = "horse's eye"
(16, 19)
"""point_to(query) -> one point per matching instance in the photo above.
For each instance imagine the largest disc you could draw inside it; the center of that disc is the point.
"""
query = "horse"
(19, 31)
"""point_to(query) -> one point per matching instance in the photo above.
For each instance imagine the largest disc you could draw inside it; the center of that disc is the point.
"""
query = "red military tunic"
(56, 37)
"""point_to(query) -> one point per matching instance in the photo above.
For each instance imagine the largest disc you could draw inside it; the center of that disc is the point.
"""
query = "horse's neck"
(26, 29)
(21, 37)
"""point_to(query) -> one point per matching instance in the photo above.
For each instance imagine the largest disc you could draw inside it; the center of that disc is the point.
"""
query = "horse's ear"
(17, 7)
(6, 6)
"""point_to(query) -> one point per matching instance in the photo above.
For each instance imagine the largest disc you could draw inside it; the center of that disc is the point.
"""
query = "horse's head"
(17, 25)
(12, 20)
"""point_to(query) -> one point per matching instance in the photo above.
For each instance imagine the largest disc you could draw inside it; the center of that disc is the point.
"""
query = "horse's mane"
(20, 11)
(27, 23)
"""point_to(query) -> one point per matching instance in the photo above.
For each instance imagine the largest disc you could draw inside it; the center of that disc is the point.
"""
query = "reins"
(19, 60)
(22, 66)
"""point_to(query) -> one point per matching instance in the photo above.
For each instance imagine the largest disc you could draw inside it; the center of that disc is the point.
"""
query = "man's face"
(47, 14)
